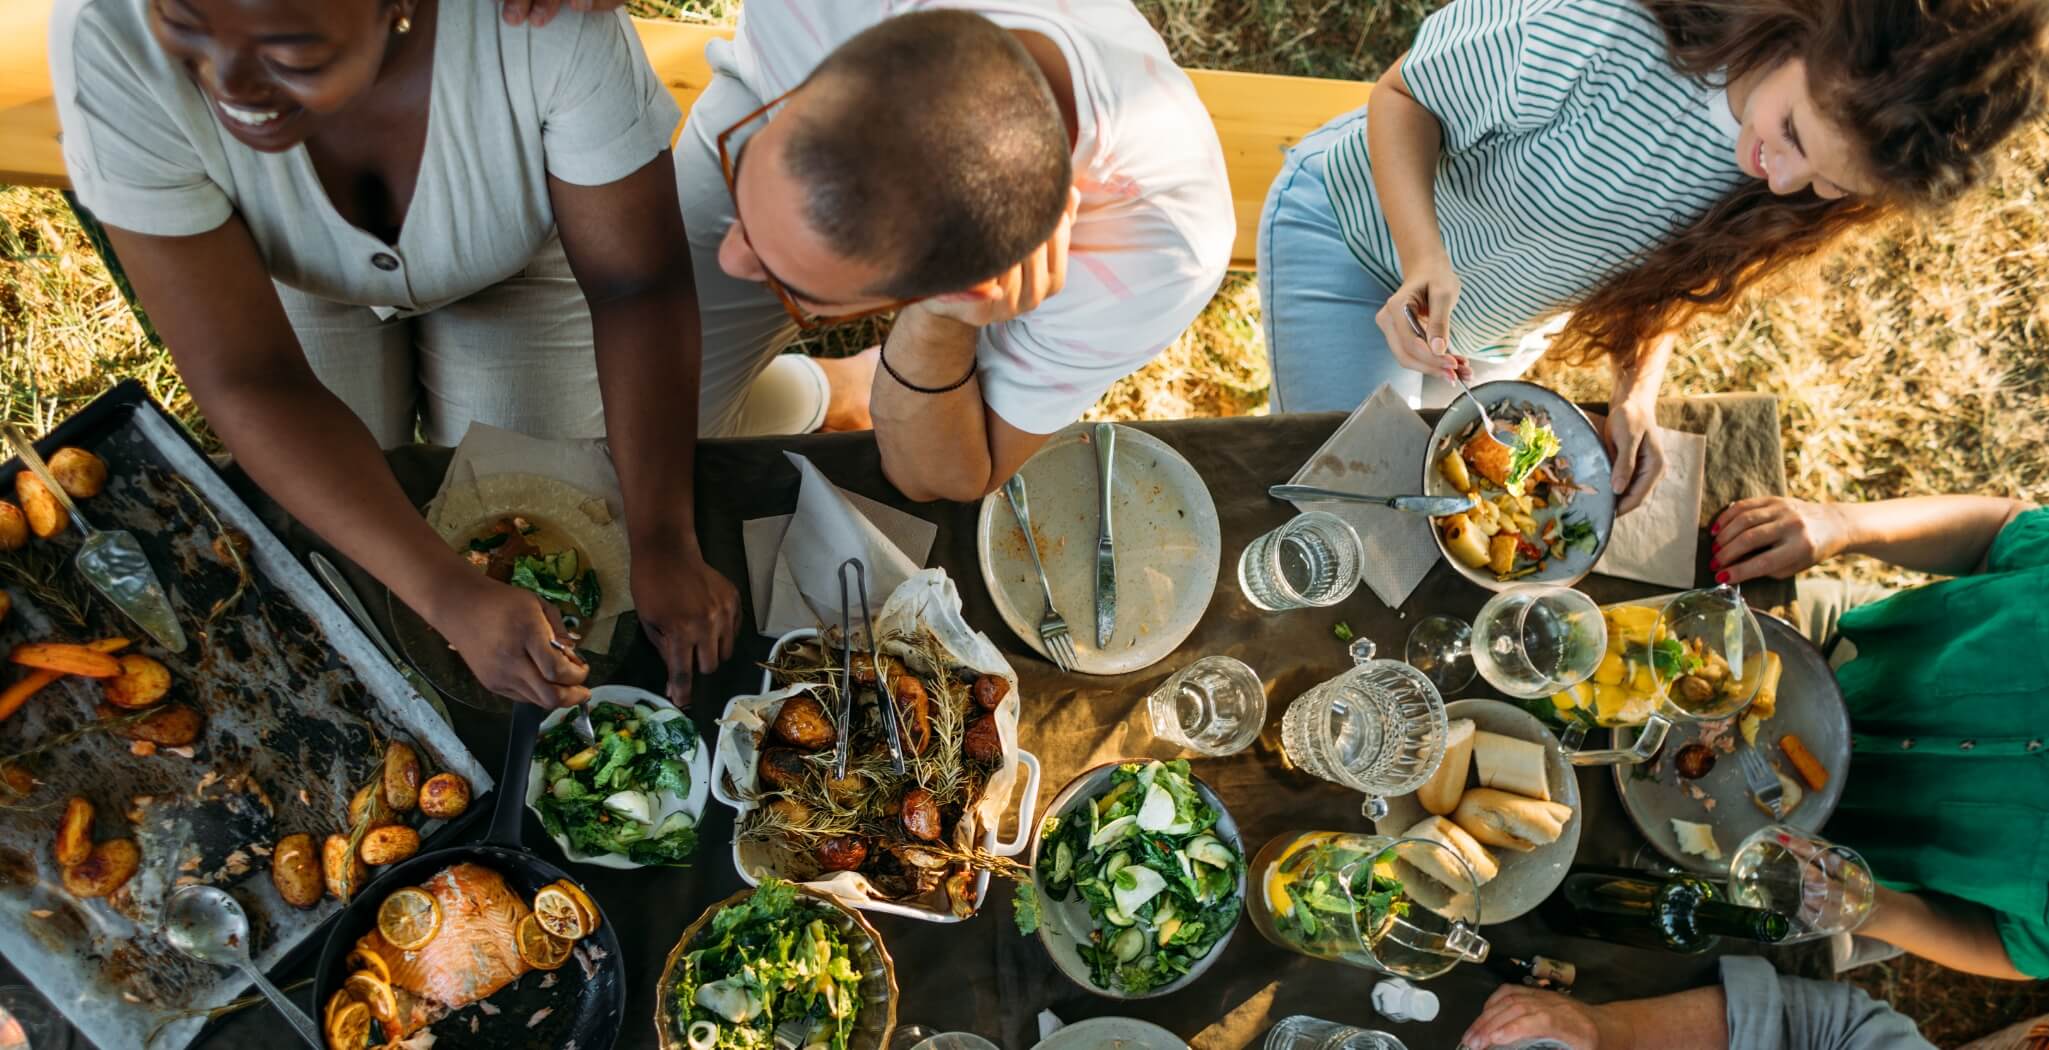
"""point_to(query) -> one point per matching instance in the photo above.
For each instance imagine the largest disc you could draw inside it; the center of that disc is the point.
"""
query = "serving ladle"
(210, 926)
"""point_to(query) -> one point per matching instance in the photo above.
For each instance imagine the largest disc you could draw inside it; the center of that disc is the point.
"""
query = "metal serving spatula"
(112, 561)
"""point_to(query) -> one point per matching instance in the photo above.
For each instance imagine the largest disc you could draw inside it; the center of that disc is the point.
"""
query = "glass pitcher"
(1407, 907)
(1378, 728)
(1699, 657)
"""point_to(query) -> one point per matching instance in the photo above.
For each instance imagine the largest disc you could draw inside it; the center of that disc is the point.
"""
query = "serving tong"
(844, 718)
(111, 560)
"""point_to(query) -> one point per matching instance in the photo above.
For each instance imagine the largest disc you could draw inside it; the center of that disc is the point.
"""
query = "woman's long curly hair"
(1924, 88)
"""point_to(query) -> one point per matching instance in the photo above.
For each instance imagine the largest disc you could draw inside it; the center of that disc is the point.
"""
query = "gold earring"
(405, 25)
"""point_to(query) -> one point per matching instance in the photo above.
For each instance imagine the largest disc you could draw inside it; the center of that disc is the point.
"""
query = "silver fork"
(1052, 629)
(1763, 782)
(790, 1034)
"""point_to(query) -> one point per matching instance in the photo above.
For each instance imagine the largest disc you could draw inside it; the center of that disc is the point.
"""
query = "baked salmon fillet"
(473, 954)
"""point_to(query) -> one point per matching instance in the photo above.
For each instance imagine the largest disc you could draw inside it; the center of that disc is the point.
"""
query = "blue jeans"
(1317, 301)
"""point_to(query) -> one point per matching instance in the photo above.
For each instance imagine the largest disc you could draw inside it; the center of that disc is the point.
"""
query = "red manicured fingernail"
(1715, 528)
(1714, 563)
(1717, 545)
(1721, 577)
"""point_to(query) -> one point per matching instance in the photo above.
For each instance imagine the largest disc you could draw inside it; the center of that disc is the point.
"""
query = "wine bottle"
(1683, 913)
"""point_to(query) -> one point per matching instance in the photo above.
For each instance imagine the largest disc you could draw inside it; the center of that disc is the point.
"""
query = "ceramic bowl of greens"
(771, 954)
(631, 798)
(1140, 879)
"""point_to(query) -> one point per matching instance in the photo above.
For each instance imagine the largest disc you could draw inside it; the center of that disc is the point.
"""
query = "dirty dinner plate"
(1167, 540)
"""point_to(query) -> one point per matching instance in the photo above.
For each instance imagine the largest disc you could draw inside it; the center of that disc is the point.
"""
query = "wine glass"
(919, 1037)
(1823, 889)
(1536, 640)
(1440, 646)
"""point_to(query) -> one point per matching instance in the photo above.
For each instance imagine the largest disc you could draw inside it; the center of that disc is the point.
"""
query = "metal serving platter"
(1810, 706)
(292, 692)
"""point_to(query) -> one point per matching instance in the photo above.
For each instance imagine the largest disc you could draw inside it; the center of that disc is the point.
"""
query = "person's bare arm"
(211, 299)
(1779, 536)
(1951, 933)
(625, 243)
(1407, 142)
(1690, 1020)
(951, 445)
(941, 446)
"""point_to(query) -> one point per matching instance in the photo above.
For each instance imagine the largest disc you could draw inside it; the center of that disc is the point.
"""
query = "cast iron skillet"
(585, 1013)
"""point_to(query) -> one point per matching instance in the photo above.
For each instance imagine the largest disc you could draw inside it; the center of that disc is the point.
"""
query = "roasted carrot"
(64, 658)
(32, 683)
(1809, 768)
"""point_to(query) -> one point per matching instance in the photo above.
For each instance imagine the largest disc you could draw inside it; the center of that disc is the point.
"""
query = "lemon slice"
(375, 994)
(409, 918)
(349, 1029)
(591, 921)
(362, 959)
(559, 913)
(335, 1003)
(537, 947)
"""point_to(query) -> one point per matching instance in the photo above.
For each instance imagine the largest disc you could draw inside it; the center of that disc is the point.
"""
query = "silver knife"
(338, 585)
(1435, 506)
(1106, 551)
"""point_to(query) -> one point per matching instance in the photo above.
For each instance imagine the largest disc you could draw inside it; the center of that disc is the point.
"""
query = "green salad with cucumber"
(769, 960)
(1160, 882)
(609, 795)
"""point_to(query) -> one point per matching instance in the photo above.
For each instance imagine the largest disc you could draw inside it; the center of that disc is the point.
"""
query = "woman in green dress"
(1947, 793)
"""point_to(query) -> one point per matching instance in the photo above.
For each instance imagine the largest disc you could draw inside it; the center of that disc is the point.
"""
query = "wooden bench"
(1256, 116)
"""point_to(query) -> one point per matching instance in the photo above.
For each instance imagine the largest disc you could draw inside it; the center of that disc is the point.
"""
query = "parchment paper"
(779, 608)
(926, 600)
(1655, 543)
(1378, 451)
(826, 530)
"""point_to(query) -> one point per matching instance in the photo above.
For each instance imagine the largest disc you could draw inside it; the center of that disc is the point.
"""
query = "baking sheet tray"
(292, 691)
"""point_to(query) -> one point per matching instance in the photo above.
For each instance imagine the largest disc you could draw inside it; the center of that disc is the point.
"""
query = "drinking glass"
(1311, 561)
(1823, 888)
(918, 1037)
(1538, 639)
(1440, 646)
(1302, 1032)
(29, 1022)
(1215, 706)
(1378, 728)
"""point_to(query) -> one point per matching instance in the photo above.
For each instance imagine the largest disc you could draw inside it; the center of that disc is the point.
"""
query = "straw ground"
(1910, 361)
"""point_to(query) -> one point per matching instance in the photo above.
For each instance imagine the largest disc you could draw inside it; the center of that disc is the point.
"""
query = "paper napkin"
(1379, 451)
(1659, 541)
(793, 560)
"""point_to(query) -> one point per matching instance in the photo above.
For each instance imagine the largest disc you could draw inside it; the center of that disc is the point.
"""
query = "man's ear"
(988, 291)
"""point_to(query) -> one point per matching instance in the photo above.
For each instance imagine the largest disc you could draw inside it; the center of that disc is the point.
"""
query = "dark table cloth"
(982, 975)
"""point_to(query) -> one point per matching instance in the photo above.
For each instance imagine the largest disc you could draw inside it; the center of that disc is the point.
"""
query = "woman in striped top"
(1636, 162)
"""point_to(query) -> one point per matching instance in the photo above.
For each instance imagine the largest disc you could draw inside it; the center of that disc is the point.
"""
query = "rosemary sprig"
(217, 1012)
(227, 547)
(104, 725)
(41, 570)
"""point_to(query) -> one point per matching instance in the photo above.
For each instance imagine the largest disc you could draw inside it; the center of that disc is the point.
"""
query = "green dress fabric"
(1948, 787)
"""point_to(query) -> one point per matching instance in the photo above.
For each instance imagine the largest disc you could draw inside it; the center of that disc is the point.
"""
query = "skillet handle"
(506, 814)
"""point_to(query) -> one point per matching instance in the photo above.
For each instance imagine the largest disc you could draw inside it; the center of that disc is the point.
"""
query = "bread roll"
(1497, 818)
(1452, 837)
(1514, 766)
(1440, 794)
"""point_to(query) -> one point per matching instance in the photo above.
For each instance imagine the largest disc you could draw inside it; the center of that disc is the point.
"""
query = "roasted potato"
(295, 871)
(1466, 541)
(842, 853)
(81, 474)
(782, 768)
(989, 690)
(74, 832)
(865, 671)
(444, 796)
(13, 527)
(46, 517)
(401, 777)
(1501, 553)
(172, 725)
(842, 789)
(389, 844)
(919, 814)
(914, 712)
(142, 682)
(983, 743)
(802, 723)
(340, 869)
(17, 778)
(1453, 467)
(109, 867)
(363, 807)
(6, 605)
(790, 811)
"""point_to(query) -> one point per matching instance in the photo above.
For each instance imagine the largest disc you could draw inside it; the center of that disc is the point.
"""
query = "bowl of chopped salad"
(1543, 499)
(1140, 878)
(771, 955)
(632, 797)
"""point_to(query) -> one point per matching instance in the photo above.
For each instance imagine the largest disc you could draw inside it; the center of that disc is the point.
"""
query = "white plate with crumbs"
(1168, 548)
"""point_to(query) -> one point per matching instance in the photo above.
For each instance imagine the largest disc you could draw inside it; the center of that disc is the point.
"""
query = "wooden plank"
(1257, 116)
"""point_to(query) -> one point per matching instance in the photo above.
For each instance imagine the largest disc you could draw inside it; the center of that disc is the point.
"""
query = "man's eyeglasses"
(805, 320)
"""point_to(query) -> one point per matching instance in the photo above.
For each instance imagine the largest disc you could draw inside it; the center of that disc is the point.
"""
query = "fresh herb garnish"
(1534, 444)
(1024, 907)
(1578, 533)
(556, 578)
(1343, 630)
